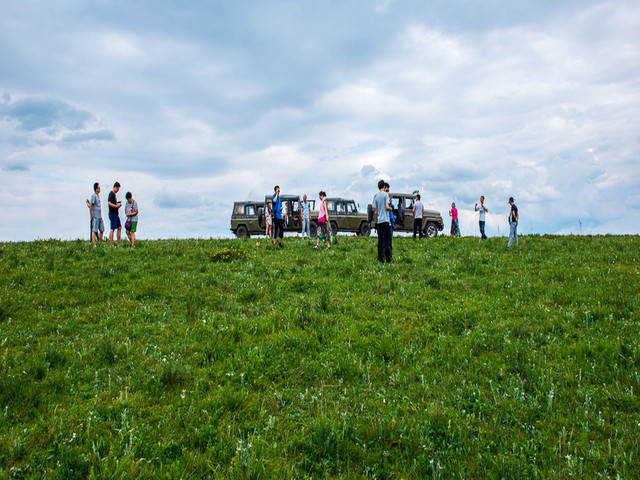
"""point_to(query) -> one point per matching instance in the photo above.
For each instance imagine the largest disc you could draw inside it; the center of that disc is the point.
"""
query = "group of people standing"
(276, 216)
(97, 225)
(482, 212)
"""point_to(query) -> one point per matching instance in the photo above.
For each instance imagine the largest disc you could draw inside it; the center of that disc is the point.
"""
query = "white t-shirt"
(482, 212)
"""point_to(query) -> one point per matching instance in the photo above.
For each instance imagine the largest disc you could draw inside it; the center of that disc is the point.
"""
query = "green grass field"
(228, 359)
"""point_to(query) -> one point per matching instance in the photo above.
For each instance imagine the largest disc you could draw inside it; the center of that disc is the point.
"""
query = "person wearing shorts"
(131, 212)
(114, 217)
(97, 225)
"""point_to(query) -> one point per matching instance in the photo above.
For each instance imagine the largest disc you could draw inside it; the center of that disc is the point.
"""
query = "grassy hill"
(228, 359)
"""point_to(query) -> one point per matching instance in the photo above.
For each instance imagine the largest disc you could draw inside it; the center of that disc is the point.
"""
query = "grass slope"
(227, 359)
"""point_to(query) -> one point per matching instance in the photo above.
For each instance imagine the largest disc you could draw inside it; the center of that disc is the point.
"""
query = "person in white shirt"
(304, 210)
(418, 210)
(481, 216)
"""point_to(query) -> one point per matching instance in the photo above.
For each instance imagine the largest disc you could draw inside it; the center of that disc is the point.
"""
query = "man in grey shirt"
(381, 210)
(97, 226)
(418, 209)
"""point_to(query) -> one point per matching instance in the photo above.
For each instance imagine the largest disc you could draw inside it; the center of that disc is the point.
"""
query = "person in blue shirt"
(278, 222)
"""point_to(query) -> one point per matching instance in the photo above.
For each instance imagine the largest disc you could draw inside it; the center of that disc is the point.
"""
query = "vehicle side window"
(296, 206)
(331, 206)
(408, 203)
(250, 210)
(351, 208)
(237, 209)
(340, 207)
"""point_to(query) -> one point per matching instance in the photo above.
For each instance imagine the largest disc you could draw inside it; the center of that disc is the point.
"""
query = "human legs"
(381, 228)
(278, 231)
(417, 227)
(482, 234)
(513, 233)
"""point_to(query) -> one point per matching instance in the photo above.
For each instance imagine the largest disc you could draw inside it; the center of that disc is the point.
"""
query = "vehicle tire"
(431, 230)
(242, 232)
(334, 228)
(365, 229)
(369, 214)
(313, 228)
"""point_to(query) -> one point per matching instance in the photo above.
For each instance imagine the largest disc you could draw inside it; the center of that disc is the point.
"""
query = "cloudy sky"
(192, 105)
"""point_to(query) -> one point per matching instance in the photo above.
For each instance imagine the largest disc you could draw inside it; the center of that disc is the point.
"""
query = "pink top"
(454, 213)
(322, 212)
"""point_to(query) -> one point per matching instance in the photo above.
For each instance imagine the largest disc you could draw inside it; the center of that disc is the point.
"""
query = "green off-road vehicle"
(432, 221)
(248, 217)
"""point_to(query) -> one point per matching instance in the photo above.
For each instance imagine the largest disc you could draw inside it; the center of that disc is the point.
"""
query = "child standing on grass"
(268, 212)
(323, 221)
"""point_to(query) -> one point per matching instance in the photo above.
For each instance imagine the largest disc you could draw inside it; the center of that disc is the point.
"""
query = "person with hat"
(455, 226)
(513, 222)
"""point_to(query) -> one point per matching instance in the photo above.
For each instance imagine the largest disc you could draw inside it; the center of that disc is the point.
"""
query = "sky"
(194, 105)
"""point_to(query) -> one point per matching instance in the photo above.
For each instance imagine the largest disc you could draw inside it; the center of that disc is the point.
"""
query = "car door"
(352, 215)
(407, 209)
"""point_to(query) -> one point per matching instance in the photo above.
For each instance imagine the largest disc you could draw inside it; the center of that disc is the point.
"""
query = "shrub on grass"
(173, 374)
(228, 254)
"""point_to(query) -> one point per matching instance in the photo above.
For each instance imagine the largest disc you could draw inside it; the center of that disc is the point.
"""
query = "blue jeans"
(482, 234)
(305, 227)
(513, 233)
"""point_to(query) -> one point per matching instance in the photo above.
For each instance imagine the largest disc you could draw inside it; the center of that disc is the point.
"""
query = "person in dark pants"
(381, 210)
(482, 216)
(418, 210)
(114, 210)
(278, 221)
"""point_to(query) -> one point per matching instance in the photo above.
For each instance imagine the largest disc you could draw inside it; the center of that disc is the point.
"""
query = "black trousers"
(384, 242)
(417, 227)
(278, 227)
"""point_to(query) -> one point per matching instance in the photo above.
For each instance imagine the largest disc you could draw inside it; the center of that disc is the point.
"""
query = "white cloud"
(195, 108)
